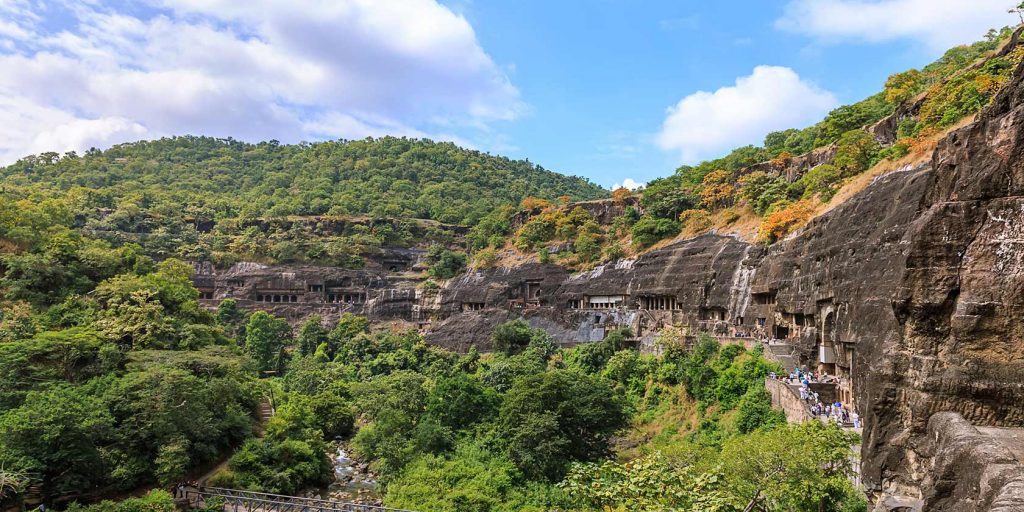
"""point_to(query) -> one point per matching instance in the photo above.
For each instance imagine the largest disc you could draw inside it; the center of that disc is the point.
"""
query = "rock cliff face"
(991, 459)
(912, 292)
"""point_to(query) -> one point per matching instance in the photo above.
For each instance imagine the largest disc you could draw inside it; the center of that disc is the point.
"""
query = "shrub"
(695, 221)
(783, 221)
(855, 151)
(649, 230)
(445, 264)
(820, 180)
(536, 231)
(587, 247)
(614, 251)
(755, 411)
(894, 152)
(485, 258)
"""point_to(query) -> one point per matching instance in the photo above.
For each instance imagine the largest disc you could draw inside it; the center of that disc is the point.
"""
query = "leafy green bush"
(755, 411)
(444, 263)
(649, 230)
(855, 151)
(550, 419)
(820, 180)
(154, 501)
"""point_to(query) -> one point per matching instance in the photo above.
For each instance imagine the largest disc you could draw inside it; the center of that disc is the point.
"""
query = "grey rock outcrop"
(912, 292)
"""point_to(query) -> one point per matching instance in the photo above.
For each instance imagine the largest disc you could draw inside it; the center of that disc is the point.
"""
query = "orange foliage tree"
(620, 195)
(784, 221)
(717, 189)
(533, 203)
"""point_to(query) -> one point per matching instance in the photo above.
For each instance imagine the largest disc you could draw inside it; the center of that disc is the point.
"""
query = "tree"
(783, 221)
(666, 198)
(231, 317)
(445, 264)
(820, 180)
(652, 482)
(341, 339)
(551, 419)
(393, 404)
(513, 336)
(649, 230)
(460, 401)
(804, 468)
(311, 335)
(57, 434)
(265, 339)
(1019, 11)
(855, 152)
(901, 87)
(717, 189)
(755, 411)
(620, 195)
(334, 416)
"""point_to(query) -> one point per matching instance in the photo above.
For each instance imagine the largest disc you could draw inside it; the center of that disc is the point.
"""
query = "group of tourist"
(836, 411)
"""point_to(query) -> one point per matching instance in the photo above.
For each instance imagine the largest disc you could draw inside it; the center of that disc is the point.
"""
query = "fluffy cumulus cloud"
(939, 24)
(708, 124)
(628, 184)
(80, 74)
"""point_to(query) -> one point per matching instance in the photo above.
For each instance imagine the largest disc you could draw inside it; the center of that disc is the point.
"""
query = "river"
(353, 482)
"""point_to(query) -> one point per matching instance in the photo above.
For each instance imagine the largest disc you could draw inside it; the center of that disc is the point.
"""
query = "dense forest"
(134, 387)
(209, 179)
(200, 198)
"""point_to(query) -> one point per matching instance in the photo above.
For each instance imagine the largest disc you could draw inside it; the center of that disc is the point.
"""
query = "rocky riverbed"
(353, 480)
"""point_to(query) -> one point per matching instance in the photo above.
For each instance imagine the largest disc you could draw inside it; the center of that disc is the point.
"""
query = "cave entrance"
(827, 354)
(781, 332)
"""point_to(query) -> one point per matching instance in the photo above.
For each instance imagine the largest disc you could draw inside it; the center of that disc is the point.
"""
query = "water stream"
(353, 481)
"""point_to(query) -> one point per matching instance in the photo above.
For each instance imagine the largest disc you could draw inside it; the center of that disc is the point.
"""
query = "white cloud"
(939, 24)
(628, 184)
(707, 124)
(260, 69)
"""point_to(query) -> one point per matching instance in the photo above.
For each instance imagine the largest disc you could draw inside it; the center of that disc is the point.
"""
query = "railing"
(249, 501)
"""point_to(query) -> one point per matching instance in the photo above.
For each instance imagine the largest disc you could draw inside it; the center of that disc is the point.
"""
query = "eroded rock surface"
(912, 292)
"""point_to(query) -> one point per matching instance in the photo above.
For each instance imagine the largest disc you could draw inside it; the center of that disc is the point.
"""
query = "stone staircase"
(783, 354)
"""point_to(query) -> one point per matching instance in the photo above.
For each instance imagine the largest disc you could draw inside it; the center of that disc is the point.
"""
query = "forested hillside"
(209, 178)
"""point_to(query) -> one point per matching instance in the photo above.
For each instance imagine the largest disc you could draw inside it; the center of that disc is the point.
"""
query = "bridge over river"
(249, 501)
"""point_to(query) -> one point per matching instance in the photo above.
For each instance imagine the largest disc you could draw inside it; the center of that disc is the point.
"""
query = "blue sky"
(607, 89)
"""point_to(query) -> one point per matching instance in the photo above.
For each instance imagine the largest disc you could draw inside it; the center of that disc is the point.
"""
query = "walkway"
(250, 501)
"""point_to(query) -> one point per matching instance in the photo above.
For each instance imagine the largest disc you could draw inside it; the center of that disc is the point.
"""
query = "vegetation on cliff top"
(957, 85)
(750, 181)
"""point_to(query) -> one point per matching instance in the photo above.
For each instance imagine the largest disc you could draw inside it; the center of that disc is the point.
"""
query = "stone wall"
(787, 400)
